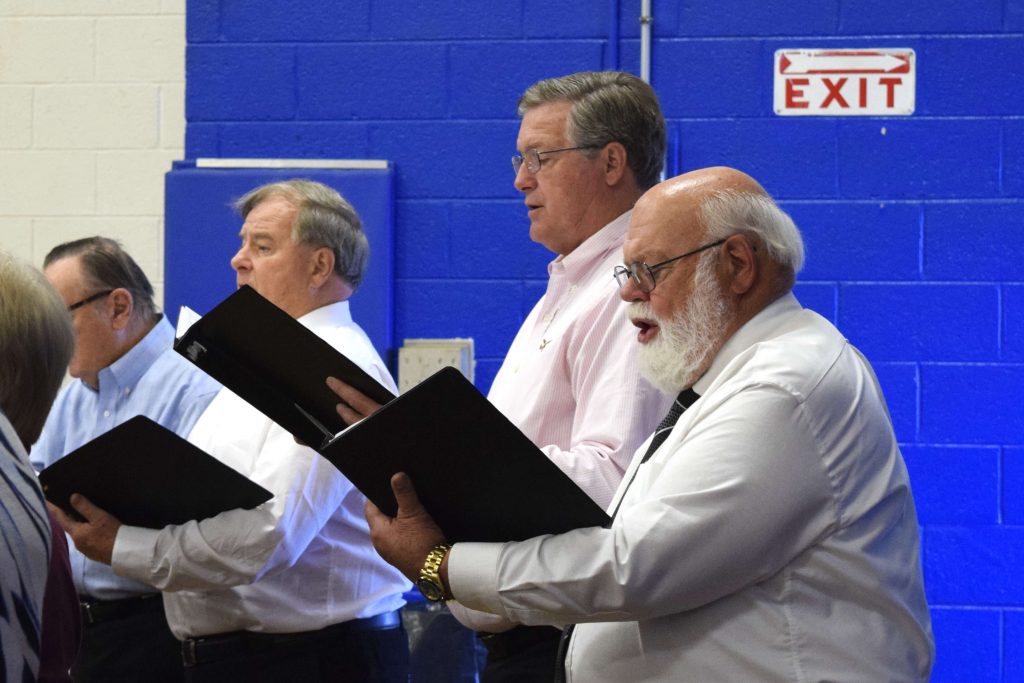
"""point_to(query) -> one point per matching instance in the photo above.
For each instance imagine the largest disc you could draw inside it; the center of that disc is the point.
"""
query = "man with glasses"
(766, 531)
(589, 145)
(124, 366)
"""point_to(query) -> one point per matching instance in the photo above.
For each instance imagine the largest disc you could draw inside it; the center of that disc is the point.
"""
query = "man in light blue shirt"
(125, 366)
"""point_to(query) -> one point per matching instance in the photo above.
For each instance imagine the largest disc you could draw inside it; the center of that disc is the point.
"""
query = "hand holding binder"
(276, 364)
(478, 476)
(146, 475)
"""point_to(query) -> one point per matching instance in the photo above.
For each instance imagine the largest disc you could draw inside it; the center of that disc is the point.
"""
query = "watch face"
(431, 591)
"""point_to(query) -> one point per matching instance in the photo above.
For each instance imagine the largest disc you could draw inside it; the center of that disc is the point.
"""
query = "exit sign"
(845, 82)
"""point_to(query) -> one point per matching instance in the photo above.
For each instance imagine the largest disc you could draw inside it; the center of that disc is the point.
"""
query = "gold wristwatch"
(429, 582)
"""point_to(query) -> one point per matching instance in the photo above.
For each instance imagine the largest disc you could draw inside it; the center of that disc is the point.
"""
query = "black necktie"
(684, 400)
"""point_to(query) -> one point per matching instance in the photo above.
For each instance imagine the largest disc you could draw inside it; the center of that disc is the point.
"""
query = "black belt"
(222, 646)
(515, 640)
(96, 611)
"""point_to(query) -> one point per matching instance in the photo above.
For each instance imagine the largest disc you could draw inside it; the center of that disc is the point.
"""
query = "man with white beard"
(766, 531)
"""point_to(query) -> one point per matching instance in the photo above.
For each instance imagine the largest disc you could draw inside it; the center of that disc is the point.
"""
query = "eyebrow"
(255, 233)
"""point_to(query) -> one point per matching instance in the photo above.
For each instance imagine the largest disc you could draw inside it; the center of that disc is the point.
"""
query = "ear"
(322, 266)
(616, 163)
(741, 264)
(121, 305)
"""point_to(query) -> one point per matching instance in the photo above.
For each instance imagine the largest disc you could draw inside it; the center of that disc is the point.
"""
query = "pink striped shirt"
(571, 380)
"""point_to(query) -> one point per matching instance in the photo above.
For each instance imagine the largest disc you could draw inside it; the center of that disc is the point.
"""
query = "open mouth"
(647, 329)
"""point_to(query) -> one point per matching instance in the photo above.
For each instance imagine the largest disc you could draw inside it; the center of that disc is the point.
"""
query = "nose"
(524, 179)
(629, 292)
(240, 262)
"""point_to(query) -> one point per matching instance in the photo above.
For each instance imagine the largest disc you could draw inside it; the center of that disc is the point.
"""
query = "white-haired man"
(766, 531)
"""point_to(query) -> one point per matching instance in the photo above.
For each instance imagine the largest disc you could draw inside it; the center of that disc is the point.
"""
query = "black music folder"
(477, 475)
(276, 364)
(148, 476)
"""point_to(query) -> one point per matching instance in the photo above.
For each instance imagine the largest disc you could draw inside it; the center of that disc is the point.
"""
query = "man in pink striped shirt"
(589, 145)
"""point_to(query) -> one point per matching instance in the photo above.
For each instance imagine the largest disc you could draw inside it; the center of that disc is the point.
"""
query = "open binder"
(276, 364)
(477, 475)
(148, 476)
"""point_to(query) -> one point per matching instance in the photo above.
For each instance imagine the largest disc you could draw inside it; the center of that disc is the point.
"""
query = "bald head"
(746, 253)
(698, 185)
(721, 203)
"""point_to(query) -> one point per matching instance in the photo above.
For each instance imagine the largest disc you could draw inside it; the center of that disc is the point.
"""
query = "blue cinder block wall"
(914, 225)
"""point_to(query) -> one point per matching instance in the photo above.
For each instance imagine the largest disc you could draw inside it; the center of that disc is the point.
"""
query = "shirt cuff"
(479, 621)
(132, 548)
(473, 576)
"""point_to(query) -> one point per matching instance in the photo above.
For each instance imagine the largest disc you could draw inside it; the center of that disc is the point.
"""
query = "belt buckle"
(90, 618)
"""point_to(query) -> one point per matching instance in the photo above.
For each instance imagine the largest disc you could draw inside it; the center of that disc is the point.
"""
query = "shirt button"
(127, 390)
(106, 413)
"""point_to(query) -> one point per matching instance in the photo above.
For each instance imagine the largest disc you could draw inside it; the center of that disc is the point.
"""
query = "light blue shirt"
(151, 380)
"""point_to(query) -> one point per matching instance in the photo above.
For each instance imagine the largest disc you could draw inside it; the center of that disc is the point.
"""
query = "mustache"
(641, 309)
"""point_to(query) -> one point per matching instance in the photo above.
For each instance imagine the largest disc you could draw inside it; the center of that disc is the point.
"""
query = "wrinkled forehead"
(661, 226)
(67, 276)
(274, 215)
(544, 125)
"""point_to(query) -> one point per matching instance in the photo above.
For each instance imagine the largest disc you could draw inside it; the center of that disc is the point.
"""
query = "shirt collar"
(127, 370)
(593, 250)
(754, 330)
(331, 315)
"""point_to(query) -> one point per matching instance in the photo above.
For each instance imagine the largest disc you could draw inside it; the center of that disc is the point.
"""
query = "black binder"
(477, 475)
(148, 476)
(276, 364)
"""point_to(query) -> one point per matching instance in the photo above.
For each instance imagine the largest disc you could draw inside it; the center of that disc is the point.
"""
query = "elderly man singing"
(766, 530)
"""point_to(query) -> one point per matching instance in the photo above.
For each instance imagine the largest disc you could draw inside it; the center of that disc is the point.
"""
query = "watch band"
(429, 582)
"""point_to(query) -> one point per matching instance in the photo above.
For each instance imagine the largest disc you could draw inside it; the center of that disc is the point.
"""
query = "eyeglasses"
(643, 275)
(90, 299)
(532, 157)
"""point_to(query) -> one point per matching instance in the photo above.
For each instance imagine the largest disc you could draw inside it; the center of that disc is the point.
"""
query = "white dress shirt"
(772, 537)
(571, 380)
(299, 562)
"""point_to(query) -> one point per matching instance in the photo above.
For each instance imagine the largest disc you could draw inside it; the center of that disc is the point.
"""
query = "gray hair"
(609, 106)
(36, 343)
(727, 212)
(325, 219)
(106, 265)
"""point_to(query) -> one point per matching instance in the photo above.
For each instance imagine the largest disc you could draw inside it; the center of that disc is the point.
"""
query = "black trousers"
(128, 645)
(525, 654)
(374, 656)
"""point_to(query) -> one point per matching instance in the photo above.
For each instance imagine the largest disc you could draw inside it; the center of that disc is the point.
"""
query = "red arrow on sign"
(843, 63)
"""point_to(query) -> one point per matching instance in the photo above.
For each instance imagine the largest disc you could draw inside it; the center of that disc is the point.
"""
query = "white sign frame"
(845, 82)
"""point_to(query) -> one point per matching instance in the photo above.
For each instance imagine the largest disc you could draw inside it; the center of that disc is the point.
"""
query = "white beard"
(678, 354)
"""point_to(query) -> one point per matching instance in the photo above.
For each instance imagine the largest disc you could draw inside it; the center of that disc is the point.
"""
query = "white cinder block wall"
(92, 114)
